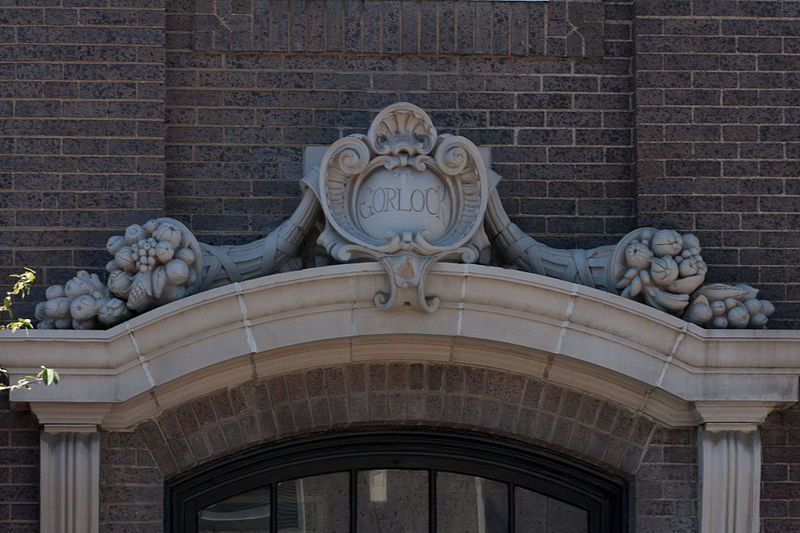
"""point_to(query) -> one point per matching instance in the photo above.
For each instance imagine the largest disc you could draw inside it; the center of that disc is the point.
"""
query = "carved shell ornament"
(405, 196)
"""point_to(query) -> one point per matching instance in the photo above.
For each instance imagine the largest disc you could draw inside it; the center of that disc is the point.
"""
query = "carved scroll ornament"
(407, 197)
(660, 268)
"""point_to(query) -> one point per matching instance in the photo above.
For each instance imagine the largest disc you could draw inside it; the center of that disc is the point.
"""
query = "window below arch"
(379, 480)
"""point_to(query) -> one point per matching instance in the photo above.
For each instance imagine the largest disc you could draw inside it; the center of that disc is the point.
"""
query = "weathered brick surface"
(19, 470)
(558, 119)
(81, 129)
(558, 28)
(666, 485)
(131, 486)
(717, 136)
(661, 463)
(86, 92)
(780, 473)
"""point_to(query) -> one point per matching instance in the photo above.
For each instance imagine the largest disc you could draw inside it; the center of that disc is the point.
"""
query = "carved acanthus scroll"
(406, 197)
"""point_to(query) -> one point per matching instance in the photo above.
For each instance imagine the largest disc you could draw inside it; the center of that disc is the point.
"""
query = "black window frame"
(603, 494)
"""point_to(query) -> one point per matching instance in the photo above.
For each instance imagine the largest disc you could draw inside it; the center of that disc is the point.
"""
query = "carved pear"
(177, 272)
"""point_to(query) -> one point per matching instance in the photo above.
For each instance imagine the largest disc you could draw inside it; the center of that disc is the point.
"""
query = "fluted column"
(70, 479)
(730, 465)
(70, 465)
(731, 480)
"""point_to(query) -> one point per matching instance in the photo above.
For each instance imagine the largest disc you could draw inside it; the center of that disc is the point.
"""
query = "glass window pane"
(536, 513)
(244, 513)
(470, 504)
(392, 501)
(315, 504)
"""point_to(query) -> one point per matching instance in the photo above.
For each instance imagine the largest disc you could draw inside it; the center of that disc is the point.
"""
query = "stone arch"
(259, 342)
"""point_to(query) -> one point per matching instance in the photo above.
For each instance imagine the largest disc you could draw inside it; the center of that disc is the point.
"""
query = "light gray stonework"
(406, 197)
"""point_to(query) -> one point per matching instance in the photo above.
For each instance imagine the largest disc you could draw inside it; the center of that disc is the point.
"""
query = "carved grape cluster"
(153, 264)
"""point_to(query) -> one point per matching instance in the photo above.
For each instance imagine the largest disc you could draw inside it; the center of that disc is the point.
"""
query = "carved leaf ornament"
(405, 196)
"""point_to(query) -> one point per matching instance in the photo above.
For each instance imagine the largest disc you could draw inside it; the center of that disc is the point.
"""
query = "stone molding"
(505, 320)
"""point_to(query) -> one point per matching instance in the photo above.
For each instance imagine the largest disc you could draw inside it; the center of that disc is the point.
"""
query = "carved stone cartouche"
(406, 197)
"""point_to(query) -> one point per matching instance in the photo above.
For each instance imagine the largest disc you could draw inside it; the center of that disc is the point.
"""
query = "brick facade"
(19, 469)
(661, 463)
(81, 129)
(717, 137)
(119, 111)
(780, 474)
(601, 117)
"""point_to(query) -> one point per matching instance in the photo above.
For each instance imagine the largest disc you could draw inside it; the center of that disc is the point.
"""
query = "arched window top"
(409, 480)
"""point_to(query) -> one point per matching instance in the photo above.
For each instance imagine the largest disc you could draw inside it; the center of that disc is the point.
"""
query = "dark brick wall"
(245, 85)
(88, 86)
(718, 136)
(131, 487)
(115, 111)
(19, 470)
(81, 129)
(548, 85)
(666, 484)
(780, 473)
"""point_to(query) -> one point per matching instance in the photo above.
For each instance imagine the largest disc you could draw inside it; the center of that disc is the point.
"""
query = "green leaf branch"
(21, 288)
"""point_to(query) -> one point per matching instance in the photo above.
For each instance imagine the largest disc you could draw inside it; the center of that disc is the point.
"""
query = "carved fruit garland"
(663, 268)
(666, 271)
(153, 264)
(156, 263)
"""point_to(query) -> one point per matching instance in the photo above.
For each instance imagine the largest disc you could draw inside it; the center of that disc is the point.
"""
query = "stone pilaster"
(70, 479)
(730, 478)
(70, 466)
(730, 465)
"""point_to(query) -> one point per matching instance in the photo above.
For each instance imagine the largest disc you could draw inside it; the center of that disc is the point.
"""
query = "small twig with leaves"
(21, 288)
(46, 376)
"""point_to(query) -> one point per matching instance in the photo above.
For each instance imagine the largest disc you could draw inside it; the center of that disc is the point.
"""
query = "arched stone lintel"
(489, 317)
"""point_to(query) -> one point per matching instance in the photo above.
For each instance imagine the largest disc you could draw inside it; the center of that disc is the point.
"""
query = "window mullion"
(353, 501)
(432, 501)
(273, 507)
(512, 512)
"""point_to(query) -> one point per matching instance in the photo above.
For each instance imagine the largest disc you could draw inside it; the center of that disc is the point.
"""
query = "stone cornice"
(490, 317)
